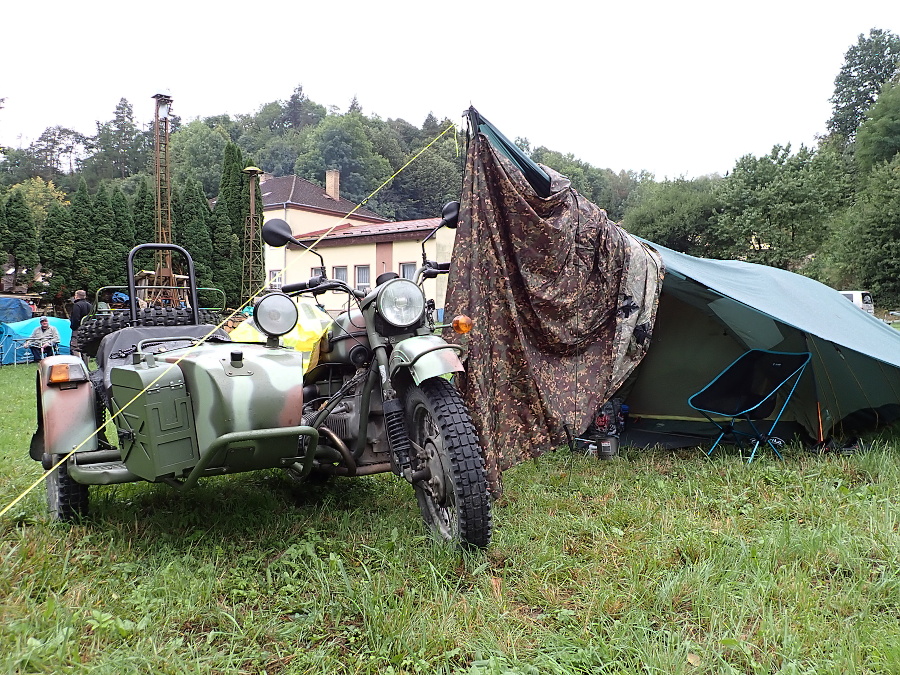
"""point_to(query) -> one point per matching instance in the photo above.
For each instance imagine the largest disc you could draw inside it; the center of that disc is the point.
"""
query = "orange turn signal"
(462, 324)
(66, 372)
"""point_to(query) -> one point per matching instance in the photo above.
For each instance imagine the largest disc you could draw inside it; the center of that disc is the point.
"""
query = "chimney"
(333, 184)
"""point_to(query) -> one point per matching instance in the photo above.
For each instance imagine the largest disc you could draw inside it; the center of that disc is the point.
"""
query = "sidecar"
(185, 402)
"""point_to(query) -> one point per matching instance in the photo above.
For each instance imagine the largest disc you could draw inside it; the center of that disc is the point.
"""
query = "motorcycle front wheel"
(454, 500)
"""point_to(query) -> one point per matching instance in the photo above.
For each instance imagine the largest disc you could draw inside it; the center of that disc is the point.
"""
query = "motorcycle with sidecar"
(187, 402)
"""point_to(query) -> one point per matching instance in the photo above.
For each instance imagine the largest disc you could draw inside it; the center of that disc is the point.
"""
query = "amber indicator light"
(462, 324)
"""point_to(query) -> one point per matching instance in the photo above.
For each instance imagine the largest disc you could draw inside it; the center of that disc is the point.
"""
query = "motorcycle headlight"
(275, 314)
(400, 302)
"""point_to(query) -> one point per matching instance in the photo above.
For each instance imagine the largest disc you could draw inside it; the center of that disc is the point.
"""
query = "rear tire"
(88, 336)
(66, 499)
(454, 501)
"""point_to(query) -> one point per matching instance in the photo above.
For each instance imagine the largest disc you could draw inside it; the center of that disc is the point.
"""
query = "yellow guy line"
(202, 340)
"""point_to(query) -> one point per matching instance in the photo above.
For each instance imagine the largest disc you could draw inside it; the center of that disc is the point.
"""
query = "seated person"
(42, 339)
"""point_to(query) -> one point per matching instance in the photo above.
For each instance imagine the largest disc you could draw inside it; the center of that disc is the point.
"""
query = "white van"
(862, 299)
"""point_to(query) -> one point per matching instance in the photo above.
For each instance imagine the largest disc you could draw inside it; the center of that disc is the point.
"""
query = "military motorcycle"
(187, 402)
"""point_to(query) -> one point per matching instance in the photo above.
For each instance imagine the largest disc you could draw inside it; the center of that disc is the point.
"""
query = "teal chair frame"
(746, 392)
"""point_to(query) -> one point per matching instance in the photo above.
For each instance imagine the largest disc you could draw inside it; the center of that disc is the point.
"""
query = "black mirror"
(450, 215)
(276, 232)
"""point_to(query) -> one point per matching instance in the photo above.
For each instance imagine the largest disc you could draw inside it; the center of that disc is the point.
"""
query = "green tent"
(570, 311)
(712, 311)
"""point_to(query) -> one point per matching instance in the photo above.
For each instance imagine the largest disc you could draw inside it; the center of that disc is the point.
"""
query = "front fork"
(395, 425)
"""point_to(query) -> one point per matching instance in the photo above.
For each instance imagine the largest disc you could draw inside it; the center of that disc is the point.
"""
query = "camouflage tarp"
(563, 301)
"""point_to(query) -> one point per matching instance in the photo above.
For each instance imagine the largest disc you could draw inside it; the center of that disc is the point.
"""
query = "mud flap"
(67, 413)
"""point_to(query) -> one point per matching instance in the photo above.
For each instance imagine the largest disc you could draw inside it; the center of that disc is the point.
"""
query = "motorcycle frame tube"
(222, 442)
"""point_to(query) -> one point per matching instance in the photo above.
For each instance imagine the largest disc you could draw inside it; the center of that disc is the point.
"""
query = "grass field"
(659, 562)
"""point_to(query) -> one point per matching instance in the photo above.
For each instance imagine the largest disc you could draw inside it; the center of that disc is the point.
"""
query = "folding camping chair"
(746, 391)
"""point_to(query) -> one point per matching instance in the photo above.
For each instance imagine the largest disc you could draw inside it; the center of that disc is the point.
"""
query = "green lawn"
(659, 562)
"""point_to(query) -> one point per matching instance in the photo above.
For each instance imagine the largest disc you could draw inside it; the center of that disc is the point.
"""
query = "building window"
(317, 272)
(339, 274)
(362, 278)
(407, 270)
(275, 279)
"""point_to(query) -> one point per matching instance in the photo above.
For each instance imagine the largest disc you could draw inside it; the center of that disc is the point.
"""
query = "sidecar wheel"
(454, 501)
(66, 499)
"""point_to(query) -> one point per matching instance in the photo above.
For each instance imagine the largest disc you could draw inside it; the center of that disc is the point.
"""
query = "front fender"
(425, 356)
(66, 415)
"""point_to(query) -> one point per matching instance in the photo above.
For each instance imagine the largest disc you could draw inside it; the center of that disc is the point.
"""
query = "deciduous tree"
(868, 64)
(196, 152)
(776, 208)
(679, 214)
(341, 142)
(879, 216)
(878, 139)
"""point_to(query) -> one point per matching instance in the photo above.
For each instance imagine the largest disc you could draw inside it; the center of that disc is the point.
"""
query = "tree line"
(75, 204)
(831, 212)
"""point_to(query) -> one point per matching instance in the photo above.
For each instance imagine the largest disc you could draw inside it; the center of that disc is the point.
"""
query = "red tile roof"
(293, 190)
(347, 232)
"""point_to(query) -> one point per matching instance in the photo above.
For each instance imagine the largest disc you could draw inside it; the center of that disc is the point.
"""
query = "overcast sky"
(674, 88)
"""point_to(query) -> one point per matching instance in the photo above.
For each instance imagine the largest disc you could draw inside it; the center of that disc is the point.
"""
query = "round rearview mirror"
(450, 215)
(276, 232)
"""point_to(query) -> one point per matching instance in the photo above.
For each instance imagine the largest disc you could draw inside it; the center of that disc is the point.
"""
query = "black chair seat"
(747, 390)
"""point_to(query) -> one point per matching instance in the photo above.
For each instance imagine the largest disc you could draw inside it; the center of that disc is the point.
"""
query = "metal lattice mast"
(253, 268)
(164, 275)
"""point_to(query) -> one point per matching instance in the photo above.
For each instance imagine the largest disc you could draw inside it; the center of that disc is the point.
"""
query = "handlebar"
(319, 285)
(433, 269)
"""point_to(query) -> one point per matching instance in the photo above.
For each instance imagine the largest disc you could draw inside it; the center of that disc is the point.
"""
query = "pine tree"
(228, 225)
(81, 214)
(124, 224)
(21, 238)
(868, 64)
(144, 212)
(195, 217)
(4, 233)
(226, 249)
(108, 262)
(123, 220)
(57, 251)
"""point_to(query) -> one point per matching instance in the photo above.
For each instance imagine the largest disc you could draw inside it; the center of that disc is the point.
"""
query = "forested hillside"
(76, 203)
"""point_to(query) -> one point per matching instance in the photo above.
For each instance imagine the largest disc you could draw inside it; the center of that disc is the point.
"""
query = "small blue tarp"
(12, 335)
(14, 309)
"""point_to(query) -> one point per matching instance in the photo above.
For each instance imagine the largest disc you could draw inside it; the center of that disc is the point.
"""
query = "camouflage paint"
(429, 355)
(265, 392)
(68, 415)
(563, 301)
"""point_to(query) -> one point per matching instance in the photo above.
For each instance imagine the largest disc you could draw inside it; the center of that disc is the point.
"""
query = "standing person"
(80, 309)
(42, 339)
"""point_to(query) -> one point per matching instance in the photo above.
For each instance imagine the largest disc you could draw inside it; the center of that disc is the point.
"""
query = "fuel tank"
(346, 340)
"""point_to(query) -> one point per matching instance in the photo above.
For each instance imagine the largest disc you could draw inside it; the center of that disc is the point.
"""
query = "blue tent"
(12, 335)
(14, 309)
